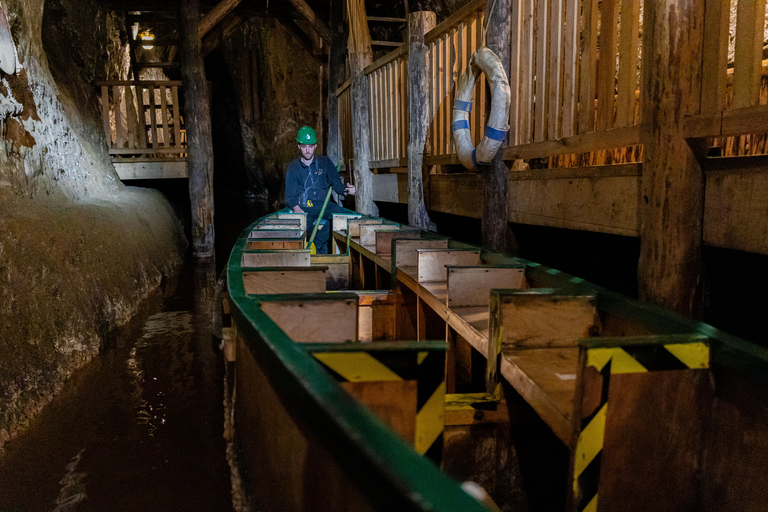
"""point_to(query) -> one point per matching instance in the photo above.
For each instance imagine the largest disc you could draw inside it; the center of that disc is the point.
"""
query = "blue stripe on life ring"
(493, 133)
(461, 124)
(465, 106)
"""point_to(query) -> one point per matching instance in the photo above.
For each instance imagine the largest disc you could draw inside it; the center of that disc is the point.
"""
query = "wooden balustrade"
(572, 99)
(143, 118)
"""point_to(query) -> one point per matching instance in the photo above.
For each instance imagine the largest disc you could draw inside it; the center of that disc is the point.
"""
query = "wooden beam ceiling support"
(222, 32)
(306, 40)
(215, 15)
(309, 15)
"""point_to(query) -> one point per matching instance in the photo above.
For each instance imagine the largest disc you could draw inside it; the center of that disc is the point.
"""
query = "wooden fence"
(143, 119)
(575, 70)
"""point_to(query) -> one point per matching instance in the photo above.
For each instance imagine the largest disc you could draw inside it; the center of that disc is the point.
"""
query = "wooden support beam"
(337, 56)
(314, 21)
(672, 195)
(215, 15)
(360, 56)
(198, 124)
(222, 32)
(419, 23)
(495, 230)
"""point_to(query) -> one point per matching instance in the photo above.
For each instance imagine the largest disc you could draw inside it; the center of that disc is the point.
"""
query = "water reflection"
(145, 419)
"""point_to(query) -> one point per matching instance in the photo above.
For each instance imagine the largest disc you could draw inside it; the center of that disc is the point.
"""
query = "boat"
(360, 374)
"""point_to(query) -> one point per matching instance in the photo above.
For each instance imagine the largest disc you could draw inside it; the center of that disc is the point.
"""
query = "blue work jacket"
(307, 185)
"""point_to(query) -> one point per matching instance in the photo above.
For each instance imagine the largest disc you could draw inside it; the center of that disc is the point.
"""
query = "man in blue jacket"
(306, 186)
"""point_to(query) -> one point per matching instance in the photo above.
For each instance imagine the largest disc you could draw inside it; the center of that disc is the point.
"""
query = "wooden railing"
(576, 96)
(143, 119)
(344, 95)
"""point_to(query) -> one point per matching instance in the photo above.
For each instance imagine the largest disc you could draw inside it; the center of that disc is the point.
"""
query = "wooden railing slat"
(555, 75)
(130, 117)
(747, 68)
(570, 67)
(526, 72)
(389, 112)
(606, 71)
(117, 99)
(715, 56)
(480, 87)
(515, 29)
(542, 72)
(153, 115)
(627, 85)
(142, 116)
(164, 113)
(468, 11)
(588, 66)
(176, 117)
(105, 114)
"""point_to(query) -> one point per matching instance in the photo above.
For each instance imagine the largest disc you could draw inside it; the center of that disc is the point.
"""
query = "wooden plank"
(147, 151)
(447, 103)
(368, 232)
(583, 142)
(142, 83)
(276, 233)
(527, 73)
(153, 116)
(301, 216)
(747, 65)
(628, 49)
(555, 70)
(118, 102)
(315, 321)
(515, 42)
(150, 170)
(542, 318)
(275, 259)
(353, 225)
(273, 245)
(396, 108)
(141, 117)
(384, 239)
(377, 314)
(471, 286)
(314, 21)
(339, 269)
(164, 112)
(215, 15)
(570, 67)
(405, 250)
(715, 56)
(340, 220)
(176, 117)
(480, 87)
(285, 280)
(131, 115)
(394, 402)
(606, 72)
(431, 263)
(588, 66)
(105, 114)
(542, 73)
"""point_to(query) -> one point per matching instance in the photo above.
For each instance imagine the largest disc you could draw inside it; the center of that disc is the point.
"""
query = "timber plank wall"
(602, 199)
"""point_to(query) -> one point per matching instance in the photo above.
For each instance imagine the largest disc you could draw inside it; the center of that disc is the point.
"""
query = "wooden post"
(419, 23)
(672, 200)
(360, 56)
(495, 229)
(335, 75)
(198, 123)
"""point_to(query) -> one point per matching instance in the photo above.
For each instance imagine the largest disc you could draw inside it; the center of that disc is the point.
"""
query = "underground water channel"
(141, 427)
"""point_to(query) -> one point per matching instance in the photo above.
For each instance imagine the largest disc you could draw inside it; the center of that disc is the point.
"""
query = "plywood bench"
(533, 344)
(405, 255)
(353, 225)
(384, 238)
(377, 315)
(431, 263)
(402, 382)
(276, 258)
(274, 244)
(301, 217)
(339, 269)
(340, 220)
(326, 318)
(271, 280)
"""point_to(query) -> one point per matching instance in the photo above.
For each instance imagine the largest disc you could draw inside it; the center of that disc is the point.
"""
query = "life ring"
(482, 61)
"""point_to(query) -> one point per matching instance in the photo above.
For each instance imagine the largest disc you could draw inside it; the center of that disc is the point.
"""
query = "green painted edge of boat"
(389, 472)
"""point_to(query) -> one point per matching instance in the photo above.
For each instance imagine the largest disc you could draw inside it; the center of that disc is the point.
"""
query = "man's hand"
(297, 209)
(349, 189)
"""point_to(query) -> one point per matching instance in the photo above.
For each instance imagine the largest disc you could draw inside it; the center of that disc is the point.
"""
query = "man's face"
(307, 150)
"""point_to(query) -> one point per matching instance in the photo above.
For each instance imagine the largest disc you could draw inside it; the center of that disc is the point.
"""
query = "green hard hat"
(306, 135)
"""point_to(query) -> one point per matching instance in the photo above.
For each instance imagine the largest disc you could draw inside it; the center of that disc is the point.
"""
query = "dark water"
(140, 427)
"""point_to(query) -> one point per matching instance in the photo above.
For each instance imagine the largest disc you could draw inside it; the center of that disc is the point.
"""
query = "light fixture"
(147, 37)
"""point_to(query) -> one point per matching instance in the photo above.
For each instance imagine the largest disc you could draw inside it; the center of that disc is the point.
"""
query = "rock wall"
(285, 85)
(78, 250)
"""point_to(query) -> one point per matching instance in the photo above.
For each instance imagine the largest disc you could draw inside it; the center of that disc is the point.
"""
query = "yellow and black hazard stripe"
(426, 367)
(635, 358)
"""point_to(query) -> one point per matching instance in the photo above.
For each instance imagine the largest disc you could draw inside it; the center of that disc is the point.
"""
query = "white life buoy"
(485, 61)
